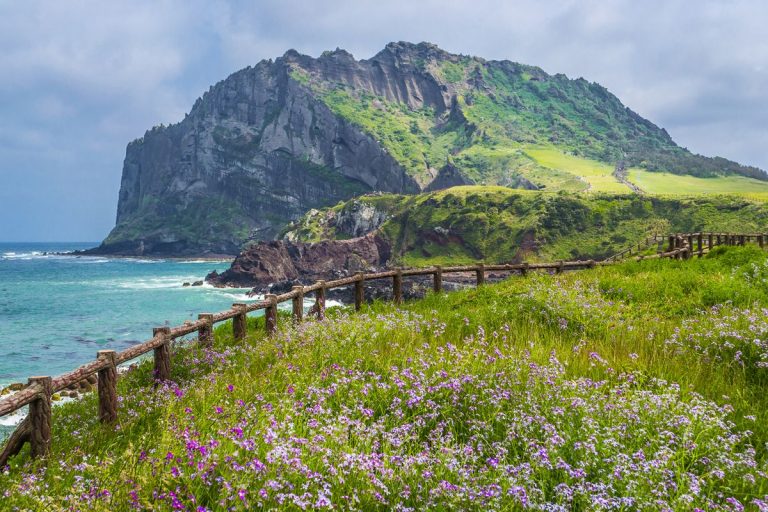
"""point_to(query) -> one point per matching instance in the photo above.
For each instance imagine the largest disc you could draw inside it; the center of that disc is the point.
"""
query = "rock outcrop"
(448, 176)
(275, 140)
(278, 262)
(258, 150)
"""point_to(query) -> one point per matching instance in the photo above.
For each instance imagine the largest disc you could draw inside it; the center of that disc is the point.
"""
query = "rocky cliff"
(283, 263)
(256, 151)
(275, 140)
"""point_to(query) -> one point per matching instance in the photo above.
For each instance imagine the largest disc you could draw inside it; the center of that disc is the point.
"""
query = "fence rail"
(36, 428)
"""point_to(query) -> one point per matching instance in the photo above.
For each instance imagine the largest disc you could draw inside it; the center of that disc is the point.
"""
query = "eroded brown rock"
(272, 263)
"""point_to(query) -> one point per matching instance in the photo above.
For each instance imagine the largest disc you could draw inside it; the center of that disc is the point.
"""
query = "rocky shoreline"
(277, 266)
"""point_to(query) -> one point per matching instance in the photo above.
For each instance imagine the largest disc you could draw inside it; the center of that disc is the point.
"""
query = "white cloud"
(82, 78)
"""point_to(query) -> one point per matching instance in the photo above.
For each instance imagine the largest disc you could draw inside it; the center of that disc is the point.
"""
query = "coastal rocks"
(266, 263)
(12, 388)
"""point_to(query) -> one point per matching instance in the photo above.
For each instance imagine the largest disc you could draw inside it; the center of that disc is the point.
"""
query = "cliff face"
(258, 150)
(273, 141)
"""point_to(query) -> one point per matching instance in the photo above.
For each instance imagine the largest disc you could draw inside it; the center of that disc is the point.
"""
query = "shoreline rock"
(278, 265)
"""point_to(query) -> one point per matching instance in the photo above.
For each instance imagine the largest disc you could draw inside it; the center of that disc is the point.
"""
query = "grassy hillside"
(597, 175)
(499, 109)
(665, 183)
(641, 386)
(498, 224)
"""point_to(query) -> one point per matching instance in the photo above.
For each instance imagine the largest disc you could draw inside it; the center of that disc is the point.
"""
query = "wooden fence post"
(559, 268)
(672, 241)
(397, 287)
(760, 241)
(320, 300)
(359, 291)
(709, 241)
(700, 242)
(240, 321)
(437, 279)
(205, 333)
(480, 274)
(15, 441)
(107, 387)
(270, 314)
(298, 304)
(742, 240)
(524, 269)
(162, 355)
(40, 418)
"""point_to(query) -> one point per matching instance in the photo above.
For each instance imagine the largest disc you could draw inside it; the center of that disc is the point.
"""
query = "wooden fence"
(36, 427)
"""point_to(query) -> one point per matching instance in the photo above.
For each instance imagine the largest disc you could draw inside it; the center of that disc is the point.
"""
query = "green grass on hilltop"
(495, 109)
(666, 183)
(597, 174)
(640, 386)
(498, 224)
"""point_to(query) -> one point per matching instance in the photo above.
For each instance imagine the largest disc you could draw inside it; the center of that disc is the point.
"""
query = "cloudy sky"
(80, 79)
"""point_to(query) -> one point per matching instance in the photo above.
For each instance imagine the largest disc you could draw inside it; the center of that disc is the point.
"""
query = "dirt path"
(620, 173)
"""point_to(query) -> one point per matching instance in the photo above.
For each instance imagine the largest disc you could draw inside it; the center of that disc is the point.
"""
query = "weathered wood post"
(672, 241)
(320, 300)
(742, 240)
(205, 333)
(40, 418)
(524, 269)
(162, 354)
(709, 241)
(15, 441)
(240, 321)
(690, 247)
(480, 274)
(359, 290)
(437, 279)
(270, 314)
(397, 287)
(700, 242)
(107, 387)
(591, 264)
(560, 266)
(760, 241)
(298, 304)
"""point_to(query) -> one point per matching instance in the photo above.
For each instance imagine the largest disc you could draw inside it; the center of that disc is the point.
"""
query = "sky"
(80, 79)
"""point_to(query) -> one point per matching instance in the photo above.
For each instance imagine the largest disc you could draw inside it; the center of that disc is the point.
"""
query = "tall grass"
(579, 391)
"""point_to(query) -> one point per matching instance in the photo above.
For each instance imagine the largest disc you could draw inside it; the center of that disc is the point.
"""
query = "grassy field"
(640, 386)
(666, 183)
(596, 174)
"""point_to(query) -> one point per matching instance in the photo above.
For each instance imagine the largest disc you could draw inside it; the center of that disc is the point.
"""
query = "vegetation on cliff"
(498, 224)
(640, 386)
(498, 113)
(277, 139)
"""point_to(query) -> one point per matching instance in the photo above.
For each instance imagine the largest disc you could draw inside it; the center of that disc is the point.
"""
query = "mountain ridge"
(273, 140)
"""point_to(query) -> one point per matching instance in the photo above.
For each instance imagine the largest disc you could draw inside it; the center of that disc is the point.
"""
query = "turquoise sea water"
(56, 312)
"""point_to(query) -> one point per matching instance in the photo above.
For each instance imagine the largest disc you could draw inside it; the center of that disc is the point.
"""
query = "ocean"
(56, 311)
